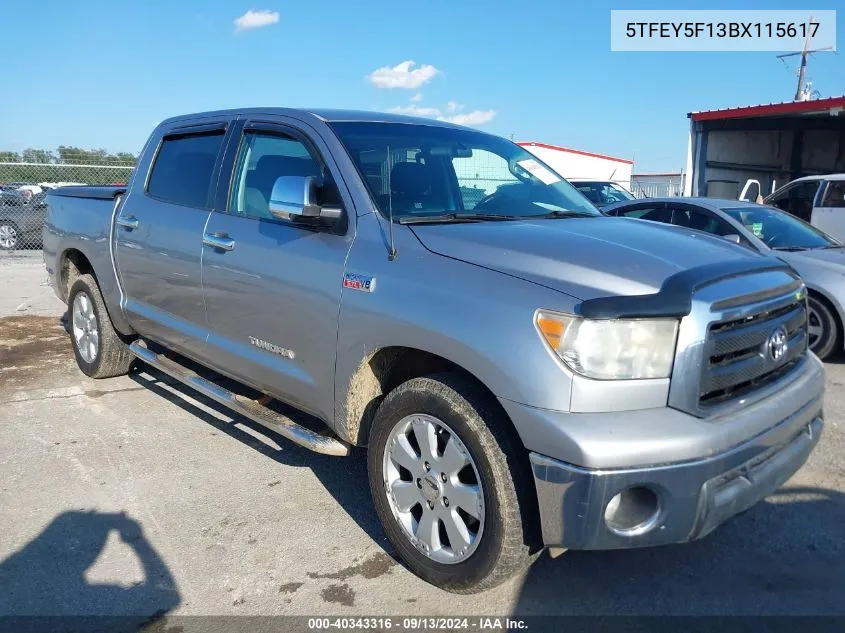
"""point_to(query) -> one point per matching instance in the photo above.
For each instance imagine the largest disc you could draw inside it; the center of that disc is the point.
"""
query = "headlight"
(616, 349)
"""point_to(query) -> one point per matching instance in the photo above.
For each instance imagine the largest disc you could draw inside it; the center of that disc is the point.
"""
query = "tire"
(506, 541)
(109, 355)
(10, 237)
(823, 326)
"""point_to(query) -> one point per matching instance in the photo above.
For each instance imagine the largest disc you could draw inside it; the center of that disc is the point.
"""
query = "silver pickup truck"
(524, 372)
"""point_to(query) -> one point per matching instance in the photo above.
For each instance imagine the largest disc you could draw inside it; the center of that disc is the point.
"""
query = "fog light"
(633, 511)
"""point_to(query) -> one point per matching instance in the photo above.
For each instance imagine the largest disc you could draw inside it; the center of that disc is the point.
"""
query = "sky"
(103, 73)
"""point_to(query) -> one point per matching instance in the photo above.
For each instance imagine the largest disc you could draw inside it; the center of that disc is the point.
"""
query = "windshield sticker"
(538, 171)
(757, 229)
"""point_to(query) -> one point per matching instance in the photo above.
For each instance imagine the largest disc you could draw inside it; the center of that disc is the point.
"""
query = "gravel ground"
(131, 495)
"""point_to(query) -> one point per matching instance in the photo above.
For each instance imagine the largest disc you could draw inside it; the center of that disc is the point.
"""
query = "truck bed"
(79, 218)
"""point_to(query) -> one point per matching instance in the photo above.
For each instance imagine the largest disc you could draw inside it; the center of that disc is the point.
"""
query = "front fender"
(476, 318)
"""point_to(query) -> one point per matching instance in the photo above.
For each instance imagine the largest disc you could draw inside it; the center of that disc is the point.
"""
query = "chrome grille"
(737, 359)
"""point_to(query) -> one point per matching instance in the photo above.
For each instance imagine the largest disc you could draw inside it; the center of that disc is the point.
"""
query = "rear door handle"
(223, 242)
(127, 222)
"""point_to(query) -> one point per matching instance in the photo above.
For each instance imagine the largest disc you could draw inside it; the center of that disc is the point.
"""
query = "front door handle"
(223, 242)
(128, 222)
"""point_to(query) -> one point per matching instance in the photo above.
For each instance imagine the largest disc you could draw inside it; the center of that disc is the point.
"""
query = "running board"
(242, 405)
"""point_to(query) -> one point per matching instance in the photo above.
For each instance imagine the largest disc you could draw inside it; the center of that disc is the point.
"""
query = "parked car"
(602, 192)
(10, 196)
(26, 189)
(21, 223)
(818, 257)
(819, 200)
(523, 371)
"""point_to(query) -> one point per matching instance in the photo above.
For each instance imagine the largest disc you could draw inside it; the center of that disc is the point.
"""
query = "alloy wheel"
(433, 488)
(8, 236)
(86, 334)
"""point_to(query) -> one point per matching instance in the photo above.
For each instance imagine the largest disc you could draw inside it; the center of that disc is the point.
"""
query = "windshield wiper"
(455, 217)
(564, 214)
(789, 248)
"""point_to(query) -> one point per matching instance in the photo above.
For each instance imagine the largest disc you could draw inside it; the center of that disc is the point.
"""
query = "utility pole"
(801, 92)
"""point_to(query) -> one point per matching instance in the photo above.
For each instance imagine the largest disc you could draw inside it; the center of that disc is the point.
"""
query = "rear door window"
(183, 168)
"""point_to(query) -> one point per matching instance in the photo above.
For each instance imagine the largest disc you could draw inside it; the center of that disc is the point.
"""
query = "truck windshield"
(426, 172)
(779, 230)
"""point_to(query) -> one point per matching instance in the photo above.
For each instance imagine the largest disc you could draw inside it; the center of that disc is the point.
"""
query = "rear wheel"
(822, 327)
(9, 236)
(445, 467)
(99, 350)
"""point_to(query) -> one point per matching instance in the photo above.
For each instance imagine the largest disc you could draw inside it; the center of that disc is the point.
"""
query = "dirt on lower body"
(32, 346)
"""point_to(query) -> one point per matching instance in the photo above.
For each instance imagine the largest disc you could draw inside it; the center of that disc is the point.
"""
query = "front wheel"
(9, 236)
(822, 327)
(445, 466)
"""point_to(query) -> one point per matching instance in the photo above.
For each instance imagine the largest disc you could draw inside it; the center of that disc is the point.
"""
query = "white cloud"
(401, 75)
(415, 110)
(453, 106)
(416, 98)
(255, 20)
(476, 117)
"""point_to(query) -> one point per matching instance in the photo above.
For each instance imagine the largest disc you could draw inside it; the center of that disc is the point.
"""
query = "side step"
(246, 407)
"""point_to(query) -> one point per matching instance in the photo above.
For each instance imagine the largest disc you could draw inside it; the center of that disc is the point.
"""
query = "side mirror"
(293, 196)
(733, 237)
(296, 197)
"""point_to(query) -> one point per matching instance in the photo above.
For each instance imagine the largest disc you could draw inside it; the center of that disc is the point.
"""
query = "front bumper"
(696, 472)
(690, 499)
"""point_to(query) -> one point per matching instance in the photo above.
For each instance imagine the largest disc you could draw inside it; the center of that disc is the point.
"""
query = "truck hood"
(582, 257)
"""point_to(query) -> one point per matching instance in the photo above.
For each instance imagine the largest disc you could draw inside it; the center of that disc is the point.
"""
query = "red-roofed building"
(576, 164)
(771, 143)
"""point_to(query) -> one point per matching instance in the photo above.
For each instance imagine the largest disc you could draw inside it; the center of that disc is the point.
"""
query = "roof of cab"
(823, 177)
(711, 203)
(716, 203)
(324, 114)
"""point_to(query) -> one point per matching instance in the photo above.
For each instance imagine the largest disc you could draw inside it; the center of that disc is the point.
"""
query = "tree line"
(68, 154)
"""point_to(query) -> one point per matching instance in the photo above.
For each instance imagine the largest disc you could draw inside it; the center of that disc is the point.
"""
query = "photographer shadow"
(47, 577)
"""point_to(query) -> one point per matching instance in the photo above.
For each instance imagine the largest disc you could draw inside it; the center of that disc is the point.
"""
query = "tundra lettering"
(281, 351)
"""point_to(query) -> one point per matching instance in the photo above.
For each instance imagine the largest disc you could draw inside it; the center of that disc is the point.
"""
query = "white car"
(819, 200)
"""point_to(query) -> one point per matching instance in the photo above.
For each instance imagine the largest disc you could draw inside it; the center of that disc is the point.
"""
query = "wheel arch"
(381, 371)
(74, 262)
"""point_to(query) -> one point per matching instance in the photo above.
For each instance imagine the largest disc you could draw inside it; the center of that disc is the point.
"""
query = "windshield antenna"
(391, 253)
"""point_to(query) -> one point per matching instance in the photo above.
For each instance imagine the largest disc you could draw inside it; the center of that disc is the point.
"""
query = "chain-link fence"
(24, 187)
(657, 185)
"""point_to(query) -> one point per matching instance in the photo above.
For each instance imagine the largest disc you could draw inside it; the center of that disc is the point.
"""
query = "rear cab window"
(183, 168)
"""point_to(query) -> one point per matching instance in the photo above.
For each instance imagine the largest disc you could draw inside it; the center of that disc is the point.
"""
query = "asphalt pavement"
(134, 495)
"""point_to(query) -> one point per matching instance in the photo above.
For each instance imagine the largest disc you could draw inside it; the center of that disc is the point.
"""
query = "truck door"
(797, 199)
(272, 287)
(158, 236)
(829, 215)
